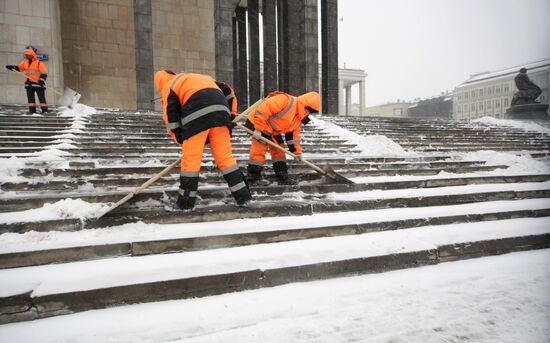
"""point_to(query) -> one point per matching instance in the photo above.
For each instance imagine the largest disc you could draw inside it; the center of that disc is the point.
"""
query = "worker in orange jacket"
(194, 110)
(279, 115)
(36, 73)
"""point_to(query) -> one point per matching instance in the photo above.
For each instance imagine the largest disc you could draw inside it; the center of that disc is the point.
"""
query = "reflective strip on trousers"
(204, 111)
(173, 125)
(191, 194)
(279, 159)
(238, 186)
(230, 169)
(185, 173)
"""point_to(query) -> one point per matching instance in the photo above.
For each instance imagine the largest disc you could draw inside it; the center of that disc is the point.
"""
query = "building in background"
(108, 50)
(347, 78)
(438, 107)
(398, 109)
(490, 93)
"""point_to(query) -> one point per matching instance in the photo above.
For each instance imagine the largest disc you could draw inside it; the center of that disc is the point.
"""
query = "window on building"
(481, 92)
(473, 108)
(497, 103)
(505, 102)
(480, 106)
(460, 97)
(489, 105)
(466, 95)
(459, 109)
(490, 91)
(497, 90)
(473, 94)
(505, 89)
(397, 111)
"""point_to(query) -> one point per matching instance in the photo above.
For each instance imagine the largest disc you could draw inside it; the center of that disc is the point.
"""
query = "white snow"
(135, 232)
(518, 124)
(78, 276)
(78, 111)
(62, 209)
(517, 163)
(10, 167)
(368, 145)
(502, 299)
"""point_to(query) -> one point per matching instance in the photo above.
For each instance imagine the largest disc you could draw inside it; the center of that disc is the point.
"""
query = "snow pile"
(67, 208)
(10, 168)
(517, 164)
(523, 125)
(80, 114)
(371, 145)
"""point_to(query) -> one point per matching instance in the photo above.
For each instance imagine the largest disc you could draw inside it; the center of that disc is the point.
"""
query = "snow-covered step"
(35, 248)
(292, 203)
(41, 291)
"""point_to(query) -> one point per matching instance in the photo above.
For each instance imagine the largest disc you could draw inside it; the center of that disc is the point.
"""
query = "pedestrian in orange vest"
(36, 73)
(194, 110)
(279, 114)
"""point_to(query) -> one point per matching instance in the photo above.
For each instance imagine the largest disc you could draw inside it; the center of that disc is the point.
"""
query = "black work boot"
(281, 172)
(238, 185)
(187, 191)
(254, 173)
(44, 109)
(32, 109)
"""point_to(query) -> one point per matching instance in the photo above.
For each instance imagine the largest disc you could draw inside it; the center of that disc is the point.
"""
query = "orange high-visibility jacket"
(283, 113)
(35, 70)
(191, 103)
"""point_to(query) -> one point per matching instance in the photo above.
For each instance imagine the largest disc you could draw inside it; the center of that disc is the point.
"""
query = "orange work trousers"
(258, 150)
(220, 145)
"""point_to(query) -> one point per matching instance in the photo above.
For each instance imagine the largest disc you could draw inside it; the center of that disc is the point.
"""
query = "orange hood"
(30, 52)
(311, 99)
(162, 78)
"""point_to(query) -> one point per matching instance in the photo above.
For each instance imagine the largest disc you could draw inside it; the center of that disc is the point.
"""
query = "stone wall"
(98, 51)
(22, 23)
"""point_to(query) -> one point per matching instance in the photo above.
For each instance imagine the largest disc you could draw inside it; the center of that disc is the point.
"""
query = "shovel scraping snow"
(69, 98)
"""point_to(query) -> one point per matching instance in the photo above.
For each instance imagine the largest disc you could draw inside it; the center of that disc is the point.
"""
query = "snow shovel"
(69, 98)
(328, 173)
(164, 171)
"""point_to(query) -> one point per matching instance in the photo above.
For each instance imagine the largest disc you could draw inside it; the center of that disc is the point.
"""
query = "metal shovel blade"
(69, 98)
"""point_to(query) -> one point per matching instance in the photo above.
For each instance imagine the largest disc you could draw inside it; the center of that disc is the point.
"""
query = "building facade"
(490, 93)
(397, 109)
(108, 50)
(438, 107)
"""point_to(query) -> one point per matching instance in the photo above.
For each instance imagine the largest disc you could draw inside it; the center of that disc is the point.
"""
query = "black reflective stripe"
(172, 126)
(238, 186)
(203, 111)
(189, 173)
(230, 169)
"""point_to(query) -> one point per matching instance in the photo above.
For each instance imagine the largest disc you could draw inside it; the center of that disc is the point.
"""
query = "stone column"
(362, 97)
(270, 46)
(242, 86)
(303, 51)
(235, 56)
(348, 100)
(329, 47)
(143, 32)
(340, 98)
(282, 34)
(225, 36)
(254, 51)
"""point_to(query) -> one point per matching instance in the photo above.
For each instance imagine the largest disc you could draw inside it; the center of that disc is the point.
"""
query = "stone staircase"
(431, 205)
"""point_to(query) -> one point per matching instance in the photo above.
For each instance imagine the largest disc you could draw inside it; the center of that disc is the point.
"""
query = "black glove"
(179, 138)
(11, 67)
(41, 83)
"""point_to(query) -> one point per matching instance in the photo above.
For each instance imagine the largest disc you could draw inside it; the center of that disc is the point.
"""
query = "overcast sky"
(419, 48)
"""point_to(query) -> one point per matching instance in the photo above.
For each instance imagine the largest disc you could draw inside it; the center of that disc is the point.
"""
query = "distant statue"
(527, 90)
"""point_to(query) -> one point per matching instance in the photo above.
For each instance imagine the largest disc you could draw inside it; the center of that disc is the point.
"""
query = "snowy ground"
(492, 299)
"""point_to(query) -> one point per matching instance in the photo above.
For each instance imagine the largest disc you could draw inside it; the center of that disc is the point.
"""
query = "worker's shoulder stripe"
(175, 80)
(286, 109)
